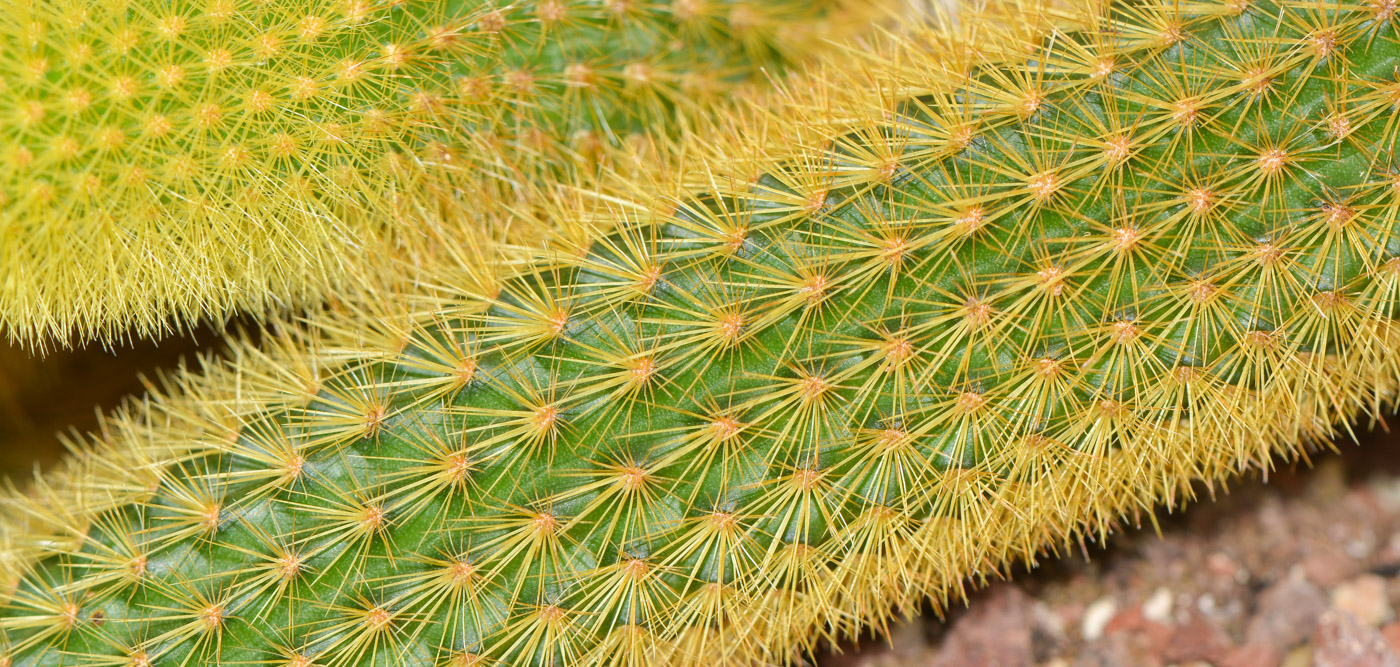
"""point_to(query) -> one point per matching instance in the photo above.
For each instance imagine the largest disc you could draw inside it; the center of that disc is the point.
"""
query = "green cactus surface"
(993, 290)
(172, 160)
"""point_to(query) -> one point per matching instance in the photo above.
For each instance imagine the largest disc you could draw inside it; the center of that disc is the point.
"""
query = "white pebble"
(1158, 608)
(1096, 618)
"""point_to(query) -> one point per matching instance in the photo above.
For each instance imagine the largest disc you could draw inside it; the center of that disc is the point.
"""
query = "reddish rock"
(1154, 637)
(1286, 613)
(995, 632)
(1196, 640)
(1331, 567)
(1128, 620)
(1252, 655)
(1342, 641)
(1391, 634)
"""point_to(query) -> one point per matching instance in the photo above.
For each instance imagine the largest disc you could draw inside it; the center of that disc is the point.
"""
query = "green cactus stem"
(991, 292)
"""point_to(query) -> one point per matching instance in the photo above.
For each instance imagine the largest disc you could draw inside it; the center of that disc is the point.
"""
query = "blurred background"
(63, 392)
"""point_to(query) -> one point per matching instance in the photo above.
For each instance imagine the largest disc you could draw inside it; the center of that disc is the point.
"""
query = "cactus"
(993, 289)
(174, 160)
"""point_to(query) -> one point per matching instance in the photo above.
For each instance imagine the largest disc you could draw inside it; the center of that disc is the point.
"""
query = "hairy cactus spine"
(981, 298)
(173, 160)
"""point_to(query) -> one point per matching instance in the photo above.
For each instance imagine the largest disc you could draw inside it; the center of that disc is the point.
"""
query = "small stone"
(1115, 651)
(1047, 632)
(1365, 598)
(1342, 641)
(1196, 640)
(1222, 565)
(995, 631)
(1158, 608)
(1286, 613)
(1329, 567)
(1096, 618)
(1362, 547)
(1128, 620)
(1391, 634)
(1252, 655)
(1152, 637)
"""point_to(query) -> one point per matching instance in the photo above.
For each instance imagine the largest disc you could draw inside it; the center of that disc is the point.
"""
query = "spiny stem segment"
(1033, 295)
(174, 160)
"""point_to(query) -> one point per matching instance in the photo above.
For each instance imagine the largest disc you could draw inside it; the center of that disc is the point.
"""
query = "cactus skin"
(1021, 298)
(175, 160)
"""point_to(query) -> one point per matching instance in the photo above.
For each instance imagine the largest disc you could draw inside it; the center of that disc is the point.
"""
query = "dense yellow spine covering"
(171, 161)
(939, 304)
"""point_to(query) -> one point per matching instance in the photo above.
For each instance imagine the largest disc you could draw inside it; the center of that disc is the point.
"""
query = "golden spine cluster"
(174, 161)
(939, 304)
